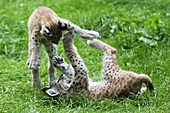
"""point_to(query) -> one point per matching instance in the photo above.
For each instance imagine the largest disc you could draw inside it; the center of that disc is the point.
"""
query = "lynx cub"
(45, 27)
(116, 83)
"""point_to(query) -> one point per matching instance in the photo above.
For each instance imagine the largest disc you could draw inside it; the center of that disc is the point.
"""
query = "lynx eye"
(47, 31)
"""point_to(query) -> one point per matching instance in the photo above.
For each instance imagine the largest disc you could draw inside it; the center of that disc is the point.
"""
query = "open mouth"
(65, 78)
(59, 87)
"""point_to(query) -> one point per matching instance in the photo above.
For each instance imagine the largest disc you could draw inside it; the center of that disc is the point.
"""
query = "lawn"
(138, 29)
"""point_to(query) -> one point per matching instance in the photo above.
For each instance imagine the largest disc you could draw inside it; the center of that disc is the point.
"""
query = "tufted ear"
(50, 91)
(63, 26)
(46, 31)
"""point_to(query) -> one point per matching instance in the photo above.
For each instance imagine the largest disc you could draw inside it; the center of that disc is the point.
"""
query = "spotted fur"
(45, 27)
(116, 83)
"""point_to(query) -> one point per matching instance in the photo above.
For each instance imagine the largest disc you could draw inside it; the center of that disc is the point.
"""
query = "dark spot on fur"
(76, 84)
(77, 77)
(73, 82)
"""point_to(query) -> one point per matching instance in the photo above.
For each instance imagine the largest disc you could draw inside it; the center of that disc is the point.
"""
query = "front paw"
(60, 64)
(33, 63)
(89, 34)
(57, 60)
(93, 34)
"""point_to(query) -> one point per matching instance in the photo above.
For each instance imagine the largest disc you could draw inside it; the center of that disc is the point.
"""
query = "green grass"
(138, 29)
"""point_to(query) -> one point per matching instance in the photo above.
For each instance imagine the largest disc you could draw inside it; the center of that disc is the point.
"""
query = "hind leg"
(99, 45)
(36, 78)
(109, 61)
(51, 49)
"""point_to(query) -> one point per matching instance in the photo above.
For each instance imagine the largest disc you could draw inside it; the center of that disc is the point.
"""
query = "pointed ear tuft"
(63, 26)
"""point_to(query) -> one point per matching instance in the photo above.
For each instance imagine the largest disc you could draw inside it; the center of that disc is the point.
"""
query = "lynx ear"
(50, 91)
(46, 31)
(63, 26)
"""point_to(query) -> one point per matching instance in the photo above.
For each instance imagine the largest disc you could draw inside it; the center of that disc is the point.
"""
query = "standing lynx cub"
(45, 27)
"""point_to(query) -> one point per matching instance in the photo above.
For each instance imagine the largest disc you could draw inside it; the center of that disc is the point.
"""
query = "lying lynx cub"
(116, 83)
(45, 27)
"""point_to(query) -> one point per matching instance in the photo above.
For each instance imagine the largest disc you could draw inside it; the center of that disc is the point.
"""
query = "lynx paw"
(60, 64)
(89, 34)
(94, 44)
(33, 63)
(58, 60)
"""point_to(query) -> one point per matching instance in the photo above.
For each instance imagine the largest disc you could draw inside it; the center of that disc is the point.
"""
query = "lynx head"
(58, 87)
(51, 31)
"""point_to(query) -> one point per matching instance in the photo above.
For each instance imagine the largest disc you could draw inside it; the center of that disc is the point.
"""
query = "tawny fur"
(116, 83)
(45, 27)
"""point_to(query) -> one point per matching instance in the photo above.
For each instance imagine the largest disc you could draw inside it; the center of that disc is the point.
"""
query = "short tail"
(146, 79)
(87, 34)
